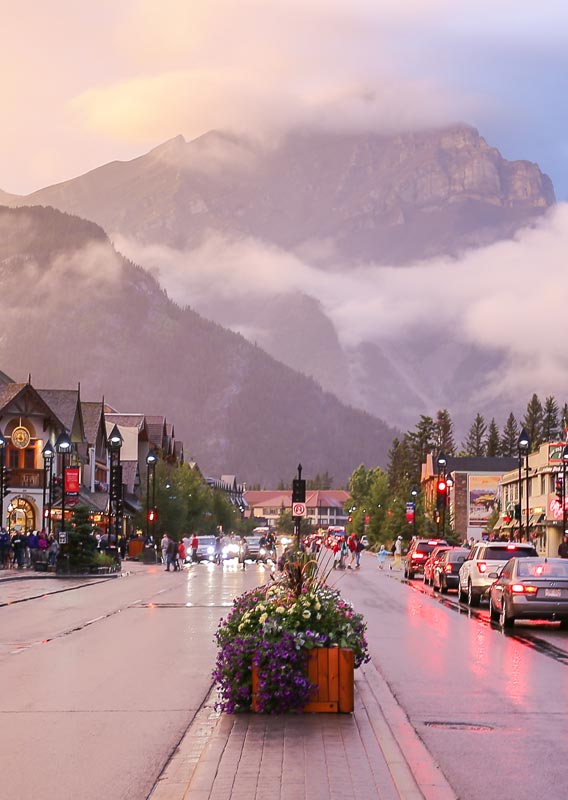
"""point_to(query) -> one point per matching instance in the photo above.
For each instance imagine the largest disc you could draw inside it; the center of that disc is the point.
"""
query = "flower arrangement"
(273, 626)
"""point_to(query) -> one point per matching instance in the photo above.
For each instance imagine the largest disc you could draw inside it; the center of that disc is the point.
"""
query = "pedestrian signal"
(152, 515)
(558, 488)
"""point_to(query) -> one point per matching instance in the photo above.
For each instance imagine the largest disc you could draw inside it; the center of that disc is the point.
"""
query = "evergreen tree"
(510, 437)
(492, 443)
(533, 422)
(78, 555)
(474, 445)
(564, 422)
(403, 466)
(550, 425)
(421, 442)
(445, 433)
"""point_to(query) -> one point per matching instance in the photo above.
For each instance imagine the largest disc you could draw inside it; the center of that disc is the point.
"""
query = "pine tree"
(533, 422)
(402, 466)
(550, 426)
(492, 443)
(510, 437)
(421, 441)
(474, 445)
(445, 433)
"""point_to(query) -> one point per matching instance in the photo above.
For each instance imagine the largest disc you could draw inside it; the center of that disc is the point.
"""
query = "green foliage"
(510, 437)
(474, 445)
(492, 443)
(79, 554)
(445, 432)
(550, 424)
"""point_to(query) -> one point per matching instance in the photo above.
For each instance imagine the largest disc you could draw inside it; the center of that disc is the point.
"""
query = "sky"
(87, 83)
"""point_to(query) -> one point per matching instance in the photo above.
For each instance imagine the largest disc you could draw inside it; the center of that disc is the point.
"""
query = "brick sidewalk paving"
(372, 753)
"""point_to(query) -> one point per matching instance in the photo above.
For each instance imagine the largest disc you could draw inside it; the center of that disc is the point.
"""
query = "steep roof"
(14, 392)
(64, 403)
(91, 420)
(155, 426)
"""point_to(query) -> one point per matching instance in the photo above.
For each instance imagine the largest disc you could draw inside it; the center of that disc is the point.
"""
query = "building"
(324, 507)
(541, 513)
(473, 491)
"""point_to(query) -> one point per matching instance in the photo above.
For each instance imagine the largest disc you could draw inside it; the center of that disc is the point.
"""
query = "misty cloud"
(485, 298)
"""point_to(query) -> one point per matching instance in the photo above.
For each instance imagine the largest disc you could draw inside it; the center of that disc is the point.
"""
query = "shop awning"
(536, 519)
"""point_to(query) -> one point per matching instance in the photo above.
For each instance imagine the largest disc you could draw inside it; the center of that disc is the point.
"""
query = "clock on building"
(21, 437)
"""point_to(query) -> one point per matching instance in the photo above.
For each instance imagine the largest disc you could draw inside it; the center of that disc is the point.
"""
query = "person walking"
(397, 564)
(352, 545)
(164, 544)
(181, 553)
(194, 548)
(382, 556)
(171, 555)
(5, 547)
(243, 551)
(563, 548)
(19, 547)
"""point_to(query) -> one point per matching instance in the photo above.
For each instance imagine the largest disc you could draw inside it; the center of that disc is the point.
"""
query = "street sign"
(63, 538)
(298, 509)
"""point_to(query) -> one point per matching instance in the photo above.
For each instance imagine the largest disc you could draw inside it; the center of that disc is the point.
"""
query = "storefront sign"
(72, 480)
(555, 453)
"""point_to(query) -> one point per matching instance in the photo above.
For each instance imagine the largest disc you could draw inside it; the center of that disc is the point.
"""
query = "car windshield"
(541, 569)
(458, 555)
(253, 539)
(425, 547)
(506, 552)
(205, 540)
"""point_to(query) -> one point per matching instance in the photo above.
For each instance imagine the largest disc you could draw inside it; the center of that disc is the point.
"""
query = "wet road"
(490, 706)
(98, 684)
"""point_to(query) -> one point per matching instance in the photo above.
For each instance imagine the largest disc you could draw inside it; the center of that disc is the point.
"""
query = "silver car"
(530, 588)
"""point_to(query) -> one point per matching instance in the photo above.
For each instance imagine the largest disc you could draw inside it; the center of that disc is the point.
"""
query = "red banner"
(72, 480)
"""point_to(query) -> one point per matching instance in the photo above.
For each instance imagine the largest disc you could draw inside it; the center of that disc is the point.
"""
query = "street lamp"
(48, 454)
(414, 495)
(523, 444)
(63, 446)
(564, 462)
(151, 460)
(114, 444)
(2, 475)
(442, 463)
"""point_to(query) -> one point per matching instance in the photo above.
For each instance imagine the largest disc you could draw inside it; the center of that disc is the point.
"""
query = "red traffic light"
(442, 486)
(152, 515)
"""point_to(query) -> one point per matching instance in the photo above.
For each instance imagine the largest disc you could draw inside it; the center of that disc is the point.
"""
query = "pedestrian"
(52, 551)
(164, 543)
(31, 549)
(171, 555)
(382, 556)
(563, 548)
(181, 552)
(352, 546)
(243, 551)
(5, 548)
(19, 547)
(195, 548)
(397, 554)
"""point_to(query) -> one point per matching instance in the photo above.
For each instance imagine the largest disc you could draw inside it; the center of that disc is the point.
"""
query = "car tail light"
(482, 566)
(521, 588)
(448, 568)
(417, 555)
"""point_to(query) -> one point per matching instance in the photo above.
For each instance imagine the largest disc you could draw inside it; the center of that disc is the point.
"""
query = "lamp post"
(63, 446)
(523, 444)
(2, 474)
(564, 462)
(48, 454)
(151, 460)
(414, 495)
(442, 462)
(449, 484)
(114, 444)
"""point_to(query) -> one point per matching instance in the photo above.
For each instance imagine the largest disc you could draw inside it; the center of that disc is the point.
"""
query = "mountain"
(73, 309)
(387, 199)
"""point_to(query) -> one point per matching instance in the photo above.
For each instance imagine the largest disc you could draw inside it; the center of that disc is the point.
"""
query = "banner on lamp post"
(72, 480)
(410, 513)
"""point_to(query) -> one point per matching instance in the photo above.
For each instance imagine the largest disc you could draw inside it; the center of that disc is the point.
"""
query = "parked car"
(431, 561)
(484, 558)
(530, 588)
(445, 574)
(417, 554)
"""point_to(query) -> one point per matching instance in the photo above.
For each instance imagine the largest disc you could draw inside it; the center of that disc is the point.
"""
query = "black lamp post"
(151, 460)
(414, 495)
(63, 447)
(449, 484)
(564, 462)
(114, 443)
(442, 463)
(48, 454)
(524, 445)
(2, 475)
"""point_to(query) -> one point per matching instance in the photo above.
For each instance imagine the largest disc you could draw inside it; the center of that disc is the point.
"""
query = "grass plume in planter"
(273, 626)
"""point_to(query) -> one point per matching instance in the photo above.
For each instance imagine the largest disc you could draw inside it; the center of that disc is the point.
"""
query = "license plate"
(553, 592)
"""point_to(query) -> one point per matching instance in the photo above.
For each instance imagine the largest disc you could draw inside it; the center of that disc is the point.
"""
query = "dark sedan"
(445, 574)
(530, 588)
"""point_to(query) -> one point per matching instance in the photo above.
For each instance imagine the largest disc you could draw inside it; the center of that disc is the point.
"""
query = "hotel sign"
(555, 453)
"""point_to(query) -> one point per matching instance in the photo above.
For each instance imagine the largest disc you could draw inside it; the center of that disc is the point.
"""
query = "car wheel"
(493, 613)
(461, 594)
(410, 576)
(443, 587)
(504, 620)
(472, 598)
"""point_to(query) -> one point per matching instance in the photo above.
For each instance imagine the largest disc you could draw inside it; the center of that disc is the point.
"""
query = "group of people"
(174, 553)
(347, 547)
(23, 550)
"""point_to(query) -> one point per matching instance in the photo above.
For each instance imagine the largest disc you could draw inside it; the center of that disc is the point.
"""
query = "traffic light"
(298, 490)
(441, 494)
(558, 487)
(517, 511)
(152, 515)
(6, 476)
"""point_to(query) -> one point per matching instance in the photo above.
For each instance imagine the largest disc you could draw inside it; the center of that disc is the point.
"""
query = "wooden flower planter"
(331, 669)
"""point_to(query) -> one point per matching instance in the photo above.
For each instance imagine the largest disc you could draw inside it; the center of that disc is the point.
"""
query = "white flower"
(306, 614)
(318, 616)
(280, 609)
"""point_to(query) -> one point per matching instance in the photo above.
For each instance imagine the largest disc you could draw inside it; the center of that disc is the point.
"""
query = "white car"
(485, 558)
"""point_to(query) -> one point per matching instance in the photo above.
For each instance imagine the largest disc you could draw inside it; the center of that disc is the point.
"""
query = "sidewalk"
(372, 753)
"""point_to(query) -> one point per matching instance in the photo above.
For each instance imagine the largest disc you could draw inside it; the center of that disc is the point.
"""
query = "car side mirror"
(493, 575)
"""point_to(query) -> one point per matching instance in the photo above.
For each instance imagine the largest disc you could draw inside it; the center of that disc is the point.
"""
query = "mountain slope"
(370, 197)
(105, 322)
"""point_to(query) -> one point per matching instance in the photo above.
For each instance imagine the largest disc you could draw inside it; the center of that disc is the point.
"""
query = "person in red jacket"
(352, 545)
(194, 546)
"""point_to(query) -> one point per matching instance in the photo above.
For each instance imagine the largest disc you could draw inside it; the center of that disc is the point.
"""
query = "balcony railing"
(26, 478)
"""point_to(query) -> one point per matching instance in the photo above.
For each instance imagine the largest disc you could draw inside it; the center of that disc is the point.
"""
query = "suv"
(484, 559)
(417, 554)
